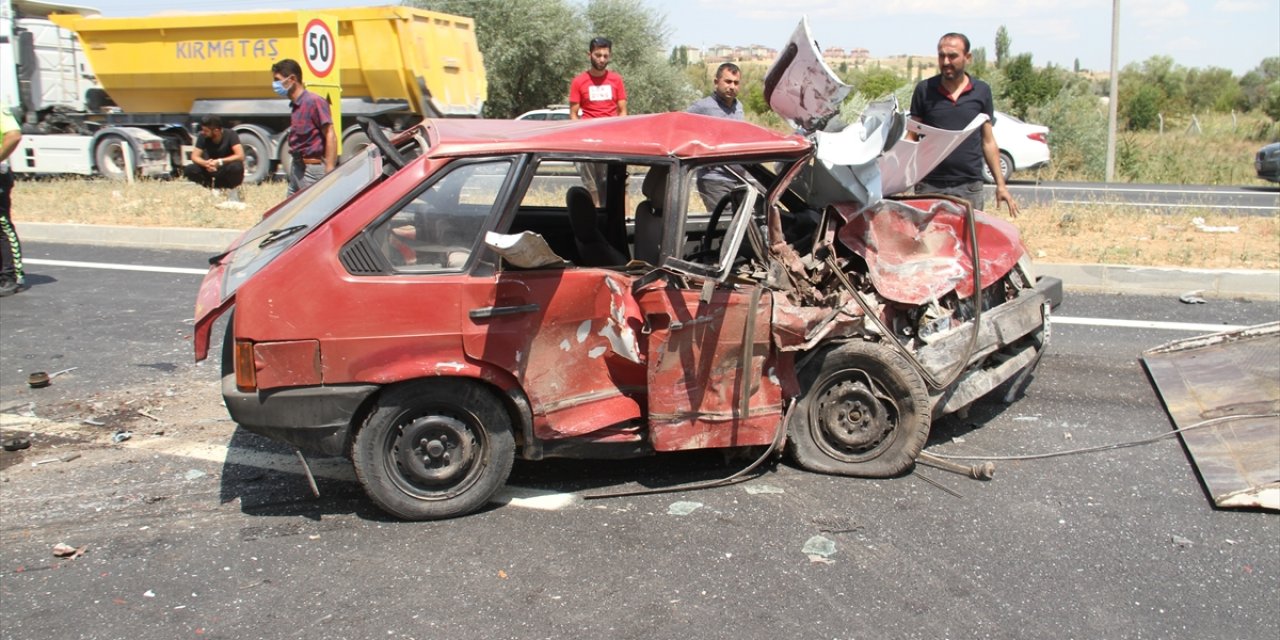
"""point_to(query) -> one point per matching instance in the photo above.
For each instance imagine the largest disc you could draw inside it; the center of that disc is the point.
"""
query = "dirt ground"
(1063, 234)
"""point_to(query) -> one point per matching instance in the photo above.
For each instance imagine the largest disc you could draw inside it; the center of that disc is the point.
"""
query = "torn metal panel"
(799, 85)
(697, 375)
(1233, 380)
(918, 250)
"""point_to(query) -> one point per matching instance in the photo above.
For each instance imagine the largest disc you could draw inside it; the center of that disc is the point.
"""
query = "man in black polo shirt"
(217, 160)
(951, 100)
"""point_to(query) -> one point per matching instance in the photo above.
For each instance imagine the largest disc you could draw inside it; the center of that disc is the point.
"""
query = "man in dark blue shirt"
(951, 100)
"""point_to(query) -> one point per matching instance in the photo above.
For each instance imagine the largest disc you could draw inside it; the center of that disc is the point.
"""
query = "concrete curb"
(1214, 283)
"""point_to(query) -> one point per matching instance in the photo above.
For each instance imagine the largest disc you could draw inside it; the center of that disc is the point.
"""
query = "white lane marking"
(1147, 324)
(115, 267)
(334, 469)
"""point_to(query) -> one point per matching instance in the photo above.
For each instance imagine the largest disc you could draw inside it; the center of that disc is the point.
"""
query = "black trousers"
(228, 176)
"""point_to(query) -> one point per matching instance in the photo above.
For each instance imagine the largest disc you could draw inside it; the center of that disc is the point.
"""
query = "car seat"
(593, 249)
(648, 238)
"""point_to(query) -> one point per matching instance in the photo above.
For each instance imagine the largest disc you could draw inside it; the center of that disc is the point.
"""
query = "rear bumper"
(314, 419)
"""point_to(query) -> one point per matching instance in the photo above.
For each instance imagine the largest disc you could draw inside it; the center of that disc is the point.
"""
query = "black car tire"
(434, 449)
(863, 412)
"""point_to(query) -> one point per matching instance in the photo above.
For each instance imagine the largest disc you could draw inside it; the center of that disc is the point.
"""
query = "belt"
(312, 160)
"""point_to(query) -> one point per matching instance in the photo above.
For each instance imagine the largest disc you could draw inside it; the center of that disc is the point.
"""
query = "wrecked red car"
(472, 291)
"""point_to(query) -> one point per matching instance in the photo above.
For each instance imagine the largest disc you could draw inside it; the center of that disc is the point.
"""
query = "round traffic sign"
(319, 48)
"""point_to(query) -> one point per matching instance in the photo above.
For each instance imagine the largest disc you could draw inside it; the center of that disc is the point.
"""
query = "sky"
(1231, 34)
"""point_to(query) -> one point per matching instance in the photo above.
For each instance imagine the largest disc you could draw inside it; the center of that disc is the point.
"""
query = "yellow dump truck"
(160, 74)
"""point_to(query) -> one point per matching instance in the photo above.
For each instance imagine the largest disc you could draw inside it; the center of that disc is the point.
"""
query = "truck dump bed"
(164, 64)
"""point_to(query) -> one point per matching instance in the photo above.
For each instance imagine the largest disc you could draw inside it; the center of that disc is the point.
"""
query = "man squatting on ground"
(10, 248)
(715, 183)
(312, 141)
(218, 159)
(951, 100)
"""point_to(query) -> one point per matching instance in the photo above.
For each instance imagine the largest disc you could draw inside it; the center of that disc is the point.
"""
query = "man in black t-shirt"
(218, 158)
(951, 100)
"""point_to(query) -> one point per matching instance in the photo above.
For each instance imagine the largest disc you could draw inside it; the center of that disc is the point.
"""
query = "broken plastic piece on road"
(1192, 297)
(121, 436)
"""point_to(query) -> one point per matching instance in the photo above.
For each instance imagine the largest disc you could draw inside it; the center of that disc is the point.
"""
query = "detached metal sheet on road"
(1230, 383)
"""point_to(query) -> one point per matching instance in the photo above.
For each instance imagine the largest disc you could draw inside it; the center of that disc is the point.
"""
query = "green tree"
(875, 83)
(1142, 109)
(1213, 89)
(531, 50)
(1261, 87)
(978, 68)
(1002, 47)
(1025, 87)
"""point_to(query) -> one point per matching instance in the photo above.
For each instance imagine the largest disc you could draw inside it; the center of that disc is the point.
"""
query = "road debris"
(819, 549)
(64, 550)
(1199, 224)
(1180, 541)
(1192, 297)
(757, 489)
(121, 436)
(194, 474)
(683, 508)
(94, 423)
(16, 443)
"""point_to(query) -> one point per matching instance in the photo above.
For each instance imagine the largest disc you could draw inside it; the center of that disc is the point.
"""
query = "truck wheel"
(109, 157)
(434, 449)
(863, 412)
(352, 145)
(257, 162)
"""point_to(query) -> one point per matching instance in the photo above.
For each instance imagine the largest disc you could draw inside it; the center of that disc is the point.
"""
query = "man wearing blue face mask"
(312, 141)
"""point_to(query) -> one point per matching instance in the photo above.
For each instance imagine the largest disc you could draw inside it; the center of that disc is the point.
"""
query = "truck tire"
(257, 162)
(109, 157)
(863, 412)
(354, 143)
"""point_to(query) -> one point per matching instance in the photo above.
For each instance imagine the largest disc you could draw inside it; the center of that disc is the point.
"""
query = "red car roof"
(678, 134)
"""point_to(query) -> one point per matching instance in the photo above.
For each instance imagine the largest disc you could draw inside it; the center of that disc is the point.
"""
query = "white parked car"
(550, 113)
(1022, 145)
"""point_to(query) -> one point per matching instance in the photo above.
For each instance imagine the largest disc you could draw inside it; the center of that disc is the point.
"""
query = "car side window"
(440, 228)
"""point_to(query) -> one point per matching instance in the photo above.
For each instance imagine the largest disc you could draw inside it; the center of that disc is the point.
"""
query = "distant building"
(860, 54)
(834, 53)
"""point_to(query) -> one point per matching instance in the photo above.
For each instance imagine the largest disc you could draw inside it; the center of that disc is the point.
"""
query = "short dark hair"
(286, 68)
(727, 66)
(211, 120)
(958, 36)
(600, 43)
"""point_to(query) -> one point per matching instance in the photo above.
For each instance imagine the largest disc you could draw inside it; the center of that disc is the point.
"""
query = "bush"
(1077, 124)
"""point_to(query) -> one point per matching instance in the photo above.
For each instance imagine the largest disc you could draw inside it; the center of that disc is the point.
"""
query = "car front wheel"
(434, 449)
(864, 412)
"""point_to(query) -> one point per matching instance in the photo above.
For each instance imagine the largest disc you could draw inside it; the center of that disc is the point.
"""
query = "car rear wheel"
(434, 449)
(864, 412)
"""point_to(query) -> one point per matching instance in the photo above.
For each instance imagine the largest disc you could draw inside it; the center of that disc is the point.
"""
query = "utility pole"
(1114, 100)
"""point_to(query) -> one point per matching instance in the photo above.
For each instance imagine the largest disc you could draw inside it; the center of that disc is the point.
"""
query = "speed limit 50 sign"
(319, 48)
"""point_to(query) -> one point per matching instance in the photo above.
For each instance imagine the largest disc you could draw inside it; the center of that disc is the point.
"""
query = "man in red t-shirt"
(598, 92)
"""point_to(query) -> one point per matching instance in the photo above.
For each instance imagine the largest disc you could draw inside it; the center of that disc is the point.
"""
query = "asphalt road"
(1122, 544)
(1163, 198)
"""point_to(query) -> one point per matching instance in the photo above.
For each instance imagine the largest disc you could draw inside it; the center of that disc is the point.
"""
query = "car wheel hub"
(852, 419)
(435, 450)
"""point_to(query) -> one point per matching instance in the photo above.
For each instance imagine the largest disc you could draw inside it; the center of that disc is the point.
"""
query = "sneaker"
(8, 286)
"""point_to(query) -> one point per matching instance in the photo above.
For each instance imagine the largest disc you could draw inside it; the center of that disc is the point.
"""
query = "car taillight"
(1039, 137)
(246, 368)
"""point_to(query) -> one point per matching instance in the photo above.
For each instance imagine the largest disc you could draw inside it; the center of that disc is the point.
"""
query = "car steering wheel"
(379, 140)
(707, 236)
